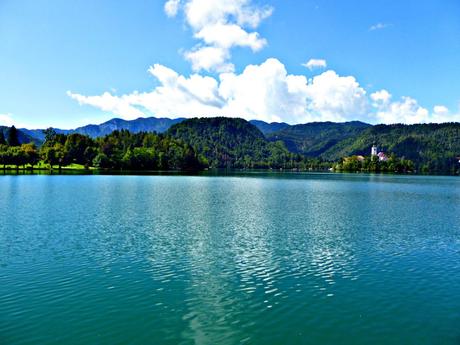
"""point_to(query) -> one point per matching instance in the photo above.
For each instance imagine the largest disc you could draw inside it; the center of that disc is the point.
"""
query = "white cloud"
(381, 97)
(336, 98)
(172, 7)
(107, 102)
(6, 120)
(440, 110)
(407, 110)
(9, 120)
(228, 35)
(210, 58)
(220, 26)
(266, 92)
(379, 26)
(442, 114)
(315, 63)
(201, 13)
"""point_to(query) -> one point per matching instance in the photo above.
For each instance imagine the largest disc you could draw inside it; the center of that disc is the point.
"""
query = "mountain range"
(148, 124)
(294, 133)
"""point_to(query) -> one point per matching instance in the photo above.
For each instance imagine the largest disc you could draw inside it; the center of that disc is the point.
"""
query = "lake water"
(252, 259)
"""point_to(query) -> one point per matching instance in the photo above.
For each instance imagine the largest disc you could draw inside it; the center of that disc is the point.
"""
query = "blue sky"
(372, 49)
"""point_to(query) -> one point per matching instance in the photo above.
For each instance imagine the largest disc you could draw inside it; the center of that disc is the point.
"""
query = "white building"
(374, 150)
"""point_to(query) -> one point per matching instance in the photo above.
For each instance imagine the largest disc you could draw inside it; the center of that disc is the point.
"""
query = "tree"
(31, 154)
(143, 159)
(190, 161)
(50, 136)
(127, 159)
(16, 156)
(54, 155)
(101, 161)
(78, 149)
(89, 154)
(2, 138)
(13, 137)
(3, 155)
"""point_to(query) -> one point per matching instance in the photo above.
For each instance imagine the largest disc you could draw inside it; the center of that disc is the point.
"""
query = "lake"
(256, 258)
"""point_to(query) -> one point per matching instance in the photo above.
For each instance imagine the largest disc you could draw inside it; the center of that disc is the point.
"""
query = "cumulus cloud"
(110, 103)
(407, 110)
(440, 110)
(220, 26)
(6, 120)
(210, 58)
(266, 92)
(380, 98)
(336, 98)
(315, 63)
(228, 35)
(442, 114)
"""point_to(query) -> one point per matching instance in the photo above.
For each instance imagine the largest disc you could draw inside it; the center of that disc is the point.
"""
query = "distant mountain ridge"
(147, 124)
(159, 125)
(268, 128)
(142, 124)
(23, 136)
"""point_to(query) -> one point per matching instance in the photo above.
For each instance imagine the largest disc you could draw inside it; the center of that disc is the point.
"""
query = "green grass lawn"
(43, 166)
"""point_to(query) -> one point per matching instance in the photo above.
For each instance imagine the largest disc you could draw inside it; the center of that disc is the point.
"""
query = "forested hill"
(313, 139)
(432, 147)
(232, 142)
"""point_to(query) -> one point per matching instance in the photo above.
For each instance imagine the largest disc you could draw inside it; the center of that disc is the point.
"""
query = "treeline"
(373, 164)
(193, 145)
(118, 150)
(221, 142)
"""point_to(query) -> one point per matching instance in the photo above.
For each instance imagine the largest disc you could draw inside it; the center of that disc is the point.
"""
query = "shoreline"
(206, 172)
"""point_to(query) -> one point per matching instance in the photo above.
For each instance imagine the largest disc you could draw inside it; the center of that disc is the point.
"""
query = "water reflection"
(223, 260)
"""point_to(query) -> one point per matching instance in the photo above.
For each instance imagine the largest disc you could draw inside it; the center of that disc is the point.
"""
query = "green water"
(251, 259)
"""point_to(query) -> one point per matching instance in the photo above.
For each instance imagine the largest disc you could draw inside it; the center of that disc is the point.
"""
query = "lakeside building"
(382, 157)
(374, 150)
(380, 154)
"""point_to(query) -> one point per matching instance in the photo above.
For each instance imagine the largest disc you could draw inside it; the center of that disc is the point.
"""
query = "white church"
(381, 155)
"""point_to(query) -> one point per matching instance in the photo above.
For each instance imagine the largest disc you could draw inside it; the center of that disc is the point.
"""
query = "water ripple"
(228, 260)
